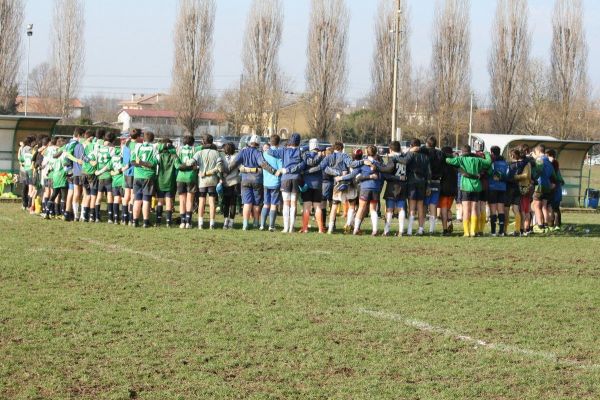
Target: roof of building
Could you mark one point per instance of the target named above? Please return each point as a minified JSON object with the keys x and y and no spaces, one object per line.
{"x":207,"y":116}
{"x":145,"y":100}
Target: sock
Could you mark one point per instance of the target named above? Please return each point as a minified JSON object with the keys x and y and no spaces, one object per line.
{"x":351,"y":214}
{"x":459,"y":215}
{"x":493,"y":220}
{"x":332,"y":223}
{"x":159,"y":214}
{"x":286,"y":218}
{"x":245,"y":225}
{"x":97,"y":212}
{"x":146,"y":222}
{"x":263,"y":216}
{"x":44,"y":204}
{"x":125,"y":213}
{"x":86,"y":213}
{"x":292,"y":218}
{"x":502,"y":222}
{"x":63,"y":209}
{"x":305,"y":220}
{"x":115,"y":212}
{"x":76,"y":209}
{"x":211,"y":223}
{"x":388,"y":222}
{"x":50,"y":207}
{"x":200,"y":222}
{"x":136,"y":222}
{"x":82,"y":212}
{"x":518,"y":222}
{"x":466,"y":227}
{"x":357,"y":223}
{"x":401,"y":219}
{"x":374,"y":220}
{"x":272,"y":217}
{"x":432,"y":219}
{"x":474,"y":224}
{"x":411,"y":221}
{"x":109,"y":211}
{"x":169,"y":216}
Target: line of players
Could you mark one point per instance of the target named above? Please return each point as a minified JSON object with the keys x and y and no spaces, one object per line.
{"x":72,"y":178}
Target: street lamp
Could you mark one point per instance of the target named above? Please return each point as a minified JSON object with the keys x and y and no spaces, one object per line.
{"x":395,"y":79}
{"x":29,"y":35}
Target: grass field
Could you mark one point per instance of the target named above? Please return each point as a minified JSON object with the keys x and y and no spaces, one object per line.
{"x":109,"y":312}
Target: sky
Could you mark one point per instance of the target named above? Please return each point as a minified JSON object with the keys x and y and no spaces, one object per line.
{"x":129,"y":43}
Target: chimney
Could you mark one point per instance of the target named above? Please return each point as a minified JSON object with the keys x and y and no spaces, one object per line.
{"x":133,"y":97}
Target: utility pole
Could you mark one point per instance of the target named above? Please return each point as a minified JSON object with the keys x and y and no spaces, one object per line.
{"x":29,"y":35}
{"x":395,"y":88}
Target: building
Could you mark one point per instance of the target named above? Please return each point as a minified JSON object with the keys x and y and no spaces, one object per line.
{"x":39,"y":106}
{"x":164,"y":122}
{"x":293,"y":118}
{"x":154,"y":101}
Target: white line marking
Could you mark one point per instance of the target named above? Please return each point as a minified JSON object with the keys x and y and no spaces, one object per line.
{"x":425,"y":327}
{"x":6,"y":219}
{"x":123,"y":249}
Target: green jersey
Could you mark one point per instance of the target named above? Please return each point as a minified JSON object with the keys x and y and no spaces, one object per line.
{"x":26,"y":158}
{"x":104,"y":155}
{"x":146,"y":152}
{"x":470,"y":167}
{"x":89,"y":157}
{"x":167,"y":170}
{"x":117,"y":168}
{"x":59,"y":172}
{"x":186,"y":157}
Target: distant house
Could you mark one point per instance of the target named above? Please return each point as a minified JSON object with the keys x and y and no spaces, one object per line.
{"x":154,"y":101}
{"x":164,"y":122}
{"x":293,"y":118}
{"x":39,"y":106}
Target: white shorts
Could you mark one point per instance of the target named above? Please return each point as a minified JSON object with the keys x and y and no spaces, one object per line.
{"x":347,"y":195}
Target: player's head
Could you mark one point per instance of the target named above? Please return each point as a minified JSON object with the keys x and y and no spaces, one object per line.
{"x":148,"y":137}
{"x":431,"y":142}
{"x":357,"y":154}
{"x":447,"y":150}
{"x":254,"y":141}
{"x":515,"y":154}
{"x":78,"y":132}
{"x":135,"y":134}
{"x":188,"y":140}
{"x":207,"y":140}
{"x":275,"y":140}
{"x":551,"y":153}
{"x":100,"y":133}
{"x":266,"y":147}
{"x":466,"y":149}
{"x":371,"y":151}
{"x":415,"y":143}
{"x":229,"y":148}
{"x":313,"y":144}
{"x":110,"y":137}
{"x":88,"y":134}
{"x":395,"y":146}
{"x":540,"y":149}
{"x":295,"y":140}
{"x":495,"y":150}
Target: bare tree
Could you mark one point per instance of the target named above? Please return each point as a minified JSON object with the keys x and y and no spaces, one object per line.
{"x":450,"y":65}
{"x":538,"y":105}
{"x":68,"y":50}
{"x":42,"y":85}
{"x":192,"y":67}
{"x":261,"y":61}
{"x":508,"y":64}
{"x":569,"y":61}
{"x":326,"y":71}
{"x":11,"y":23}
{"x":102,"y":108}
{"x":234,"y":103}
{"x":382,"y":67}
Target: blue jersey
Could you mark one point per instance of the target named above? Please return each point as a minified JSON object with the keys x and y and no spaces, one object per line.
{"x":313,"y":180}
{"x":126,"y":154}
{"x":271,"y":181}
{"x":499,"y":173}
{"x":250,"y":157}
{"x":335,"y":164}
{"x":291,"y":158}
{"x":373,"y":185}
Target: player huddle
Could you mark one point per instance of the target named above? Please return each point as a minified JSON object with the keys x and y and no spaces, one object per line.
{"x":142,"y":181}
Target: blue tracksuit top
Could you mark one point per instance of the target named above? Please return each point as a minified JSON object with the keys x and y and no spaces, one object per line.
{"x":314,"y":180}
{"x":126,"y":154}
{"x":249,"y":157}
{"x":501,"y":167}
{"x":335,"y":165}
{"x":291,"y":158}
{"x":373,"y":185}
{"x":271,"y":181}
{"x":543,"y":179}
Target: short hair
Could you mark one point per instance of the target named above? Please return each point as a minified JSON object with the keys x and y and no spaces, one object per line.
{"x":338,"y":146}
{"x":53,"y":140}
{"x":415,"y":143}
{"x":100,"y":133}
{"x":45,"y":140}
{"x":110,"y":136}
{"x":551,"y":153}
{"x":188,"y":140}
{"x":447,"y":150}
{"x":540,"y":148}
{"x":136,"y":133}
{"x":466,"y":149}
{"x":266,"y":146}
{"x":431,"y":141}
{"x":207,"y":139}
{"x":229,"y":148}
{"x":395,"y":146}
{"x":515,"y":154}
{"x":495,"y":150}
{"x":371,"y":151}
{"x":149,"y":136}
{"x":275,"y":140}
{"x":88,"y":134}
{"x":78,"y":132}
{"x":525,"y":149}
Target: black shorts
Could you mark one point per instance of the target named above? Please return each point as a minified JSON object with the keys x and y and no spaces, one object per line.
{"x":143,"y":189}
{"x":105,"y":185}
{"x":118,"y":191}
{"x":90,"y":185}
{"x":289,"y":186}
{"x":417,"y":191}
{"x":187,"y":187}
{"x":77,"y":180}
{"x":496,"y":197}
{"x":484,"y":195}
{"x":469,"y":196}
{"x":543,"y":196}
{"x":312,"y":196}
{"x":513,"y":197}
{"x":369,"y":195}
{"x":128,"y":182}
{"x":165,"y":194}
{"x":209,"y":191}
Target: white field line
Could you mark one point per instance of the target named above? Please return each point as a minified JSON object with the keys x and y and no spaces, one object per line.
{"x":6,"y":219}
{"x":123,"y":249}
{"x":505,"y":348}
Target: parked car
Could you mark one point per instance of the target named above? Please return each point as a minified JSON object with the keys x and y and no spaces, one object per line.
{"x":244,"y":141}
{"x":221,"y":140}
